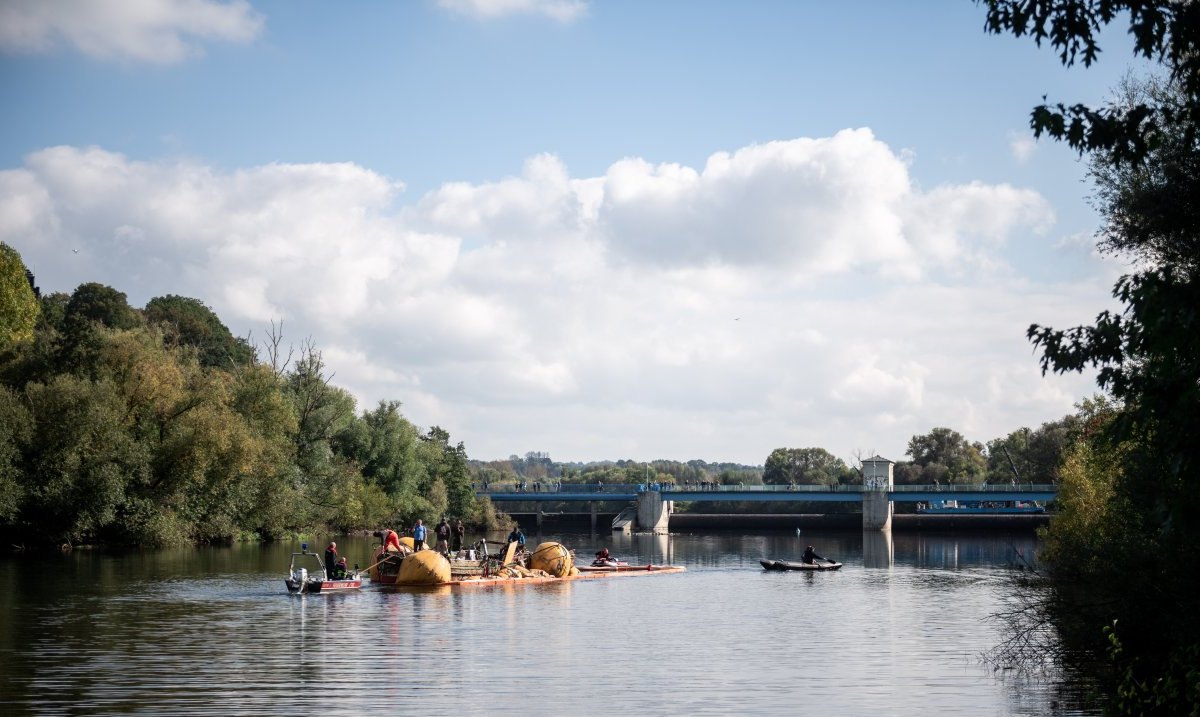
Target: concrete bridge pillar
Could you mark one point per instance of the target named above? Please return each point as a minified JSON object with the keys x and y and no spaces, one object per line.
{"x":877,"y":481}
{"x":592,"y":507}
{"x":539,"y":517}
{"x":653,"y":513}
{"x":877,"y":511}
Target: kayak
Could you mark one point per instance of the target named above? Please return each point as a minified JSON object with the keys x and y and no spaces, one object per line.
{"x":786,"y":565}
{"x":622,"y":568}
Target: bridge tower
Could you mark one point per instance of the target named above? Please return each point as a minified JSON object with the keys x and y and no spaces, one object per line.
{"x":877,"y":481}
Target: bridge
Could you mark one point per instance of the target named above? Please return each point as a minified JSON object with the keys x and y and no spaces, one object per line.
{"x":655,"y":501}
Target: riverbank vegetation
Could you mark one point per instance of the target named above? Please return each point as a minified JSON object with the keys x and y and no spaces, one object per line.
{"x":1124,"y":551}
{"x":157,"y":426}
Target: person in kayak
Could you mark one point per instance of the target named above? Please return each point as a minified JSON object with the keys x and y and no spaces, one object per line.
{"x":810,"y":556}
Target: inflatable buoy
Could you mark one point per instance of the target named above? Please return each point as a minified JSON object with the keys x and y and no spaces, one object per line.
{"x":407,"y":542}
{"x":554,"y":558}
{"x":427,"y":567}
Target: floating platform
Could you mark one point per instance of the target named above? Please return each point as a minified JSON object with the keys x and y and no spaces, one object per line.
{"x":585,"y":573}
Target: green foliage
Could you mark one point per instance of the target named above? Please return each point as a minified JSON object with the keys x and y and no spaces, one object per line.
{"x":1166,"y":31}
{"x":53,"y":313}
{"x":946,"y":456}
{"x":384,"y":445}
{"x":1129,"y":521}
{"x":1035,"y":456}
{"x":19,"y":306}
{"x":169,"y":432}
{"x":189,"y":322}
{"x":805,"y":466}
{"x":16,"y":430}
{"x":1161,"y":684}
{"x":100,"y":304}
{"x":80,"y":465}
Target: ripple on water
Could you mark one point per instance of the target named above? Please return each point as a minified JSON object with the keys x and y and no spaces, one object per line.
{"x":725,"y":637}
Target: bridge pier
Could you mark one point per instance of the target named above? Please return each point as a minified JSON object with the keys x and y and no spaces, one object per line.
{"x":592,"y":507}
{"x":653,"y":513}
{"x":877,"y":504}
{"x":539,"y":518}
{"x":877,"y":511}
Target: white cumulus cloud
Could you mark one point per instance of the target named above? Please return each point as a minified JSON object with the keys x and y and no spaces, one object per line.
{"x":560,"y":10}
{"x":156,"y":31}
{"x":804,"y":292}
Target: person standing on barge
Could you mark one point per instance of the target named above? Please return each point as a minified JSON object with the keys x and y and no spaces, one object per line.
{"x":419,"y":531}
{"x":460,"y":532}
{"x":442,"y":531}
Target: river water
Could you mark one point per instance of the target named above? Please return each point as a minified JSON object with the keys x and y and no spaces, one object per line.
{"x":897,"y":631}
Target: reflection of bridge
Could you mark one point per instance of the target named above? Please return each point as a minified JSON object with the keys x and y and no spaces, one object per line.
{"x":654,"y":501}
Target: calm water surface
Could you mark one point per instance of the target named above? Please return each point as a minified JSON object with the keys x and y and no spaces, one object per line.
{"x":897,"y":631}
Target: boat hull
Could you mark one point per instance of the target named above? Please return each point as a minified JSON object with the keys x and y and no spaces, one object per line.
{"x":788,"y":565}
{"x":620,"y":568}
{"x":322,"y":586}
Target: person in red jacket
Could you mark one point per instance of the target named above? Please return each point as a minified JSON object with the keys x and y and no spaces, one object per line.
{"x":391,"y":541}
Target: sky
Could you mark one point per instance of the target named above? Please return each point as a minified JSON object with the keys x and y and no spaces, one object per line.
{"x":598,"y":229}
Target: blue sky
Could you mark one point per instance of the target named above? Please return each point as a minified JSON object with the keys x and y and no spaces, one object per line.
{"x":597,"y":229}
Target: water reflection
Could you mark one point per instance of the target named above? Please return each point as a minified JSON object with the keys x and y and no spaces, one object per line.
{"x":212,"y":631}
{"x":877,"y":549}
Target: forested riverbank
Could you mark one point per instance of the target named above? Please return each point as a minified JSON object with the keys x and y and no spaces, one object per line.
{"x":156,"y":426}
{"x":1124,"y":566}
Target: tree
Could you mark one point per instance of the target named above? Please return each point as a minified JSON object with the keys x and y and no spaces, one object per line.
{"x":16,"y":430}
{"x":803,"y":466}
{"x":191,"y":323}
{"x":18,"y":304}
{"x":1166,"y":31}
{"x":1144,"y":151}
{"x":946,"y":455}
{"x":384,"y":445}
{"x":1036,"y":456}
{"x":82,"y":461}
{"x":100,"y":304}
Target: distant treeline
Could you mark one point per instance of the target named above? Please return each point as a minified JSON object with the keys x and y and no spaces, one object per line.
{"x":941,"y":456}
{"x":156,"y":426}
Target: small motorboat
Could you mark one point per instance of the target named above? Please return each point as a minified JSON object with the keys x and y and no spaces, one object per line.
{"x":788,"y":565}
{"x":305,"y":579}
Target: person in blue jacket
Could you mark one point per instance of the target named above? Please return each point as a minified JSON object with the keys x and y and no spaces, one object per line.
{"x":517,"y":536}
{"x":419,"y":531}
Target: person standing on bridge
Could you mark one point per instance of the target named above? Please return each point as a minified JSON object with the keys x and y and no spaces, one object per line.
{"x":419,"y":531}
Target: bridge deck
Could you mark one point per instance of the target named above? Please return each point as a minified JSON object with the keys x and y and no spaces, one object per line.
{"x":777,"y":493}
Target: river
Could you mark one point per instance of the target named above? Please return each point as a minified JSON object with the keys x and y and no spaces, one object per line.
{"x":897,"y":631}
